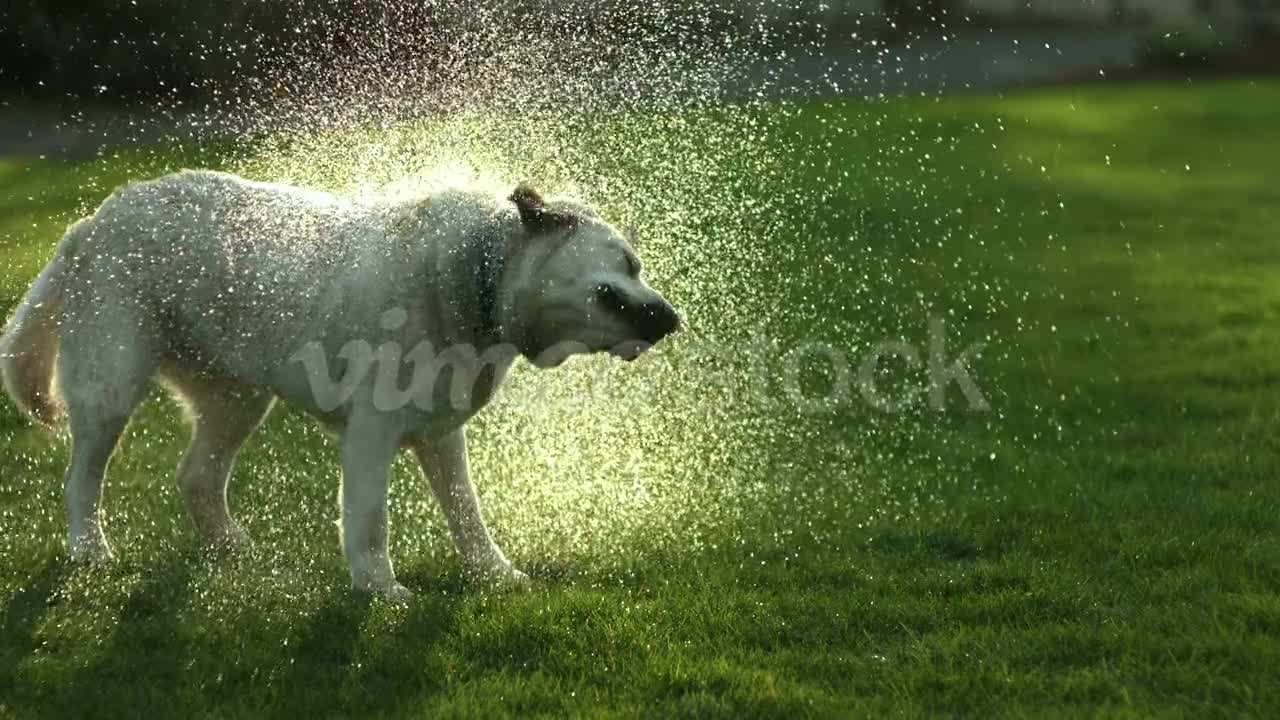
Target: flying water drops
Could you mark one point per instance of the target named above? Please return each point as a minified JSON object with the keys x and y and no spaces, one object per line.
{"x":782,"y":196}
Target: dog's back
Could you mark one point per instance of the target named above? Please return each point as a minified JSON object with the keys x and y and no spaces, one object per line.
{"x":223,"y":268}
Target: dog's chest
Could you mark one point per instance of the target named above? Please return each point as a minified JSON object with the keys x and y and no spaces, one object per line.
{"x":447,"y":394}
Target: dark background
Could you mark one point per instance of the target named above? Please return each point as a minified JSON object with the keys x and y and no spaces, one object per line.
{"x":144,"y":50}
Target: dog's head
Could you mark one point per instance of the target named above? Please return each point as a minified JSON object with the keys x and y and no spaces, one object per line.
{"x":574,"y":286}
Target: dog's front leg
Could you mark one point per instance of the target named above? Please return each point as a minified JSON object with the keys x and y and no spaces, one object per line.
{"x":370,"y":443}
{"x":444,"y":462}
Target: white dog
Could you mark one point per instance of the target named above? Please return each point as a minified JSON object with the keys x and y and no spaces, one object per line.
{"x":236,"y":292}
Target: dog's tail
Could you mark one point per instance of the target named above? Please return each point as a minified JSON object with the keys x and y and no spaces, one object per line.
{"x":29,"y":345}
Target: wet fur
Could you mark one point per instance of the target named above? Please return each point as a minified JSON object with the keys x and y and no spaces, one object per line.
{"x":212,"y":283}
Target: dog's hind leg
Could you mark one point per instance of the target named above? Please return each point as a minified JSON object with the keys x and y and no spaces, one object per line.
{"x":104,"y":370}
{"x":224,"y":414}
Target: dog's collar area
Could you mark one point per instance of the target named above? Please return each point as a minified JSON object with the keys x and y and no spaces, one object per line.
{"x":488,"y":277}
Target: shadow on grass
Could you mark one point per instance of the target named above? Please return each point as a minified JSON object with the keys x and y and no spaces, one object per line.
{"x":150,"y":647}
{"x":363,"y":656}
{"x":22,"y":614}
{"x":167,"y":655}
{"x":320,"y":667}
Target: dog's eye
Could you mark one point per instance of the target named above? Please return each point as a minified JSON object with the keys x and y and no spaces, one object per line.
{"x":608,"y":295}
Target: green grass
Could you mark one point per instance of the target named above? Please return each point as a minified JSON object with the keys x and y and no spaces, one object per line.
{"x":1105,"y":541}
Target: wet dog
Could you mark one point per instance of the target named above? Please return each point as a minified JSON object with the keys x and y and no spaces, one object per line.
{"x":392,"y":322}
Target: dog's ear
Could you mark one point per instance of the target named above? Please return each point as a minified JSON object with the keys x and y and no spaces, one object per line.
{"x":535,"y":215}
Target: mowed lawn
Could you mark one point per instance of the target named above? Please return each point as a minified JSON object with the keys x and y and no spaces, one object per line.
{"x":1104,"y":540}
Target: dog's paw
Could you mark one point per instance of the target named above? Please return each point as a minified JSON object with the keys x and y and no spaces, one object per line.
{"x":396,"y":593}
{"x":390,"y":591}
{"x":503,"y":577}
{"x":232,"y":539}
{"x":516,"y":580}
{"x":91,"y":550}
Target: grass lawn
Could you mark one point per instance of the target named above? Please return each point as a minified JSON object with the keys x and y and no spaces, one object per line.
{"x":1104,"y":539}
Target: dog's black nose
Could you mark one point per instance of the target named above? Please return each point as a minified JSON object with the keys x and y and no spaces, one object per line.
{"x":655,"y":320}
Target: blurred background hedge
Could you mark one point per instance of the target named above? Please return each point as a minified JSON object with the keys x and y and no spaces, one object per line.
{"x":144,"y":49}
{"x":140,"y":50}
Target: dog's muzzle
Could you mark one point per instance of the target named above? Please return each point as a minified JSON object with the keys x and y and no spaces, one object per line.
{"x":654,"y":320}
{"x":650,"y":320}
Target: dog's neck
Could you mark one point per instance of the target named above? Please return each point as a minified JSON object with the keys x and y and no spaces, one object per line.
{"x":489,"y":267}
{"x":486,"y":256}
